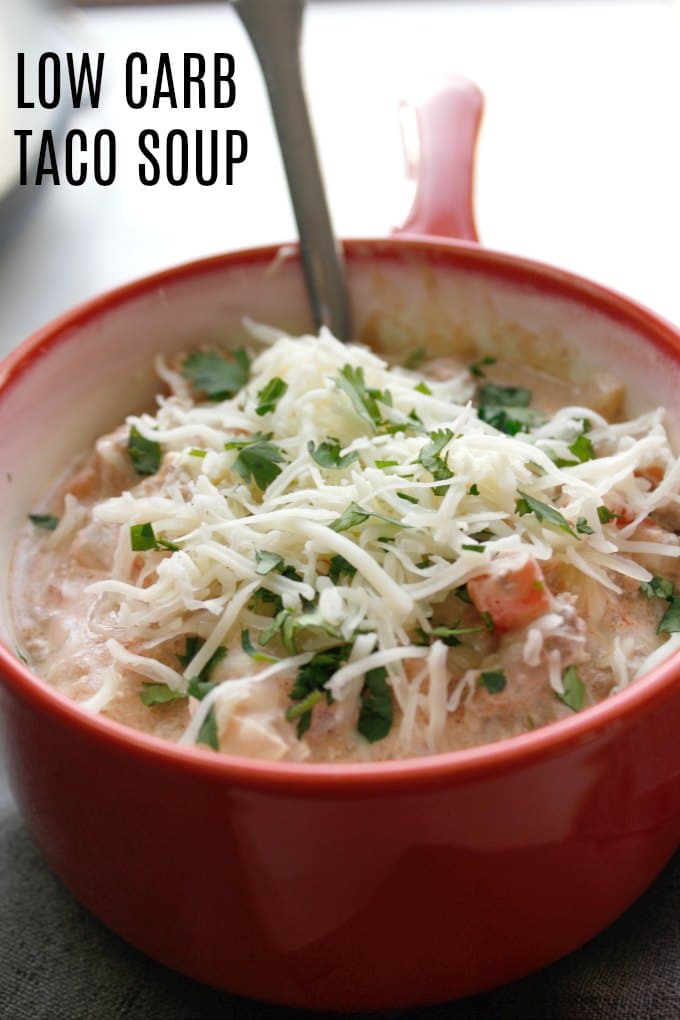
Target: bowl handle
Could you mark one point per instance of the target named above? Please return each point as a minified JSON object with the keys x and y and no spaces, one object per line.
{"x":445,"y":126}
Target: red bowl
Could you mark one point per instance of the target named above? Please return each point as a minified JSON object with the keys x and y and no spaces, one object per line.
{"x":338,"y":886}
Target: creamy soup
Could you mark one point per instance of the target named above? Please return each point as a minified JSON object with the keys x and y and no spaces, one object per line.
{"x":308,"y":554}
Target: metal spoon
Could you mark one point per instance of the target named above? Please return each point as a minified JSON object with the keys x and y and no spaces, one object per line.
{"x":275,"y":30}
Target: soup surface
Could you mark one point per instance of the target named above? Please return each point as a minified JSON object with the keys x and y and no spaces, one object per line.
{"x":308,"y":554}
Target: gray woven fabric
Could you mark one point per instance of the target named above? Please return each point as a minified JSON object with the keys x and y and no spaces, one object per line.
{"x":58,"y":963}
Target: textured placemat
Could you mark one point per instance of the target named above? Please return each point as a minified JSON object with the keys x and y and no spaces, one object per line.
{"x":58,"y":963}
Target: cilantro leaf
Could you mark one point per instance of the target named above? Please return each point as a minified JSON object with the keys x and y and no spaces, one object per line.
{"x":382,"y":464}
{"x":352,"y":382}
{"x":269,"y":396}
{"x":142,"y":539}
{"x":217,"y":378}
{"x":574,"y":689}
{"x":670,"y":622}
{"x":658,"y":587}
{"x":258,"y":458}
{"x":263,"y":597}
{"x":506,"y":408}
{"x":431,"y":460}
{"x":503,"y":396}
{"x":583,"y":527}
{"x":355,"y":514}
{"x":327,"y":454}
{"x":463,"y":594}
{"x":494,"y":680}
{"x":145,"y":454}
{"x":199,"y":688}
{"x":192,"y":647}
{"x":339,"y":567}
{"x":473,"y":490}
{"x":47,"y":522}
{"x":606,"y":515}
{"x":267,"y":561}
{"x":310,"y":684}
{"x":543,"y":512}
{"x":159,"y":694}
{"x":208,"y":733}
{"x":582,"y":448}
{"x":423,"y":388}
{"x":450,"y":635}
{"x":415,"y":358}
{"x":249,"y":649}
{"x":377,"y":711}
{"x":477,"y":367}
{"x":303,"y":712}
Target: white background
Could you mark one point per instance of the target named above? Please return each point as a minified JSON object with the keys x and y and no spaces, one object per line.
{"x":578,"y":163}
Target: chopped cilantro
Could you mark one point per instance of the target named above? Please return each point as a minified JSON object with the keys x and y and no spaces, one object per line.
{"x":199,"y":688}
{"x":463,"y":594}
{"x":477,"y":367}
{"x":262,"y":597}
{"x":249,"y":649}
{"x":431,"y":460}
{"x":197,"y":453}
{"x":474,"y":548}
{"x":355,"y":514}
{"x":409,"y":499}
{"x":582,"y":448}
{"x":377,"y":711}
{"x":217,"y":378}
{"x":382,"y":464}
{"x":258,"y":458}
{"x":312,"y":679}
{"x":658,"y":587}
{"x":423,"y":388}
{"x":145,"y":454}
{"x":267,"y":561}
{"x":544,"y":513}
{"x":506,"y":408}
{"x":606,"y":515}
{"x":339,"y":567}
{"x":574,"y":689}
{"x":192,"y":647}
{"x":269,"y":396}
{"x":450,"y":635}
{"x":424,"y":564}
{"x":494,"y":680}
{"x":303,"y":712}
{"x":208,"y":733}
{"x":281,"y":623}
{"x":142,"y":538}
{"x":291,"y":573}
{"x":159,"y":694}
{"x":415,"y":358}
{"x":583,"y":527}
{"x":670,"y":622}
{"x":327,"y":454}
{"x":364,"y":401}
{"x":47,"y":522}
{"x":503,"y":396}
{"x":488,"y":620}
{"x":473,"y":490}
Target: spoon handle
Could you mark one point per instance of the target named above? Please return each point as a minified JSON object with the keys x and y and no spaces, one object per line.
{"x":275,"y":30}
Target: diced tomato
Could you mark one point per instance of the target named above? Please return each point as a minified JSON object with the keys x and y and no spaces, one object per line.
{"x":513,"y":594}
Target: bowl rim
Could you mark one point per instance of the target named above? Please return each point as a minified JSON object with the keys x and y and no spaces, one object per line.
{"x":338,"y":778}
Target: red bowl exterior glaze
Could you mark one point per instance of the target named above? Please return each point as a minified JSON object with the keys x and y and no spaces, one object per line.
{"x":333,"y":887}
